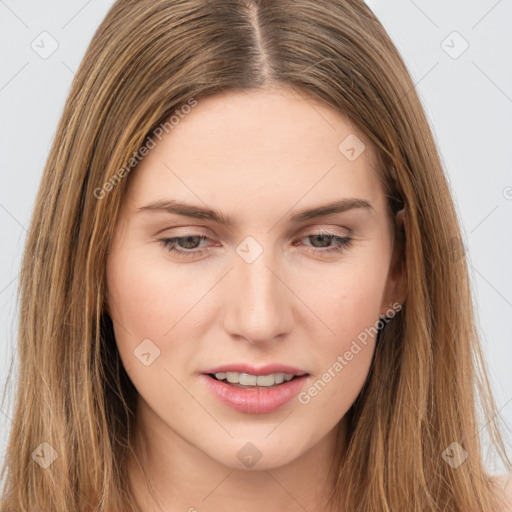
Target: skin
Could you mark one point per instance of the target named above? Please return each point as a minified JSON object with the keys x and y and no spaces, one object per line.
{"x":260,"y":157}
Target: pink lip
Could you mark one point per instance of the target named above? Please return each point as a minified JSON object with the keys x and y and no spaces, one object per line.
{"x":252,"y":400}
{"x":262,"y":370}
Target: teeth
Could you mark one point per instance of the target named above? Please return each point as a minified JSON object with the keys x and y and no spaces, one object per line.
{"x":246,"y":379}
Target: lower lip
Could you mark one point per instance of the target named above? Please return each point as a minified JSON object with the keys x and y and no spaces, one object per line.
{"x":255,"y":401}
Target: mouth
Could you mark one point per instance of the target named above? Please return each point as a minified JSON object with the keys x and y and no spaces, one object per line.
{"x":255,"y":394}
{"x":248,"y":381}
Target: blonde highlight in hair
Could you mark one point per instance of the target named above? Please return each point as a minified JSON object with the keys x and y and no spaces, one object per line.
{"x":145,"y":61}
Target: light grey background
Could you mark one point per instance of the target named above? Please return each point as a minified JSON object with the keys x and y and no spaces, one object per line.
{"x":467,"y":96}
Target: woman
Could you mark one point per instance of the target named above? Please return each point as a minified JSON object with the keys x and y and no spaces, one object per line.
{"x":255,"y":293}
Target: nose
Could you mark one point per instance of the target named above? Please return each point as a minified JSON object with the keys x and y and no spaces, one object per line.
{"x":259,"y":302}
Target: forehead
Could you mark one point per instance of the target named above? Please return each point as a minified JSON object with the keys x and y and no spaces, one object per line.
{"x":261,"y":149}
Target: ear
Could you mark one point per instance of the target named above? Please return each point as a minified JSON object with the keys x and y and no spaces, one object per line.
{"x":396,"y":286}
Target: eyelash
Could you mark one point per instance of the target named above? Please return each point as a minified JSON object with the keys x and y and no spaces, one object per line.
{"x":342,"y":243}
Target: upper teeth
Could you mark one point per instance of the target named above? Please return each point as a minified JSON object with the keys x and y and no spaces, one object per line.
{"x":254,"y":380}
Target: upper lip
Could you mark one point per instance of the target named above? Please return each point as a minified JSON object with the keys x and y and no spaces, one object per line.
{"x":260,"y":370}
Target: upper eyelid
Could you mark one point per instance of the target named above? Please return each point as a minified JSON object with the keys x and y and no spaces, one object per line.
{"x":301,"y":234}
{"x":309,"y":229}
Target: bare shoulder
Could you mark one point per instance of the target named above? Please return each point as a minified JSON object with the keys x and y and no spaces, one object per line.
{"x":504,"y":482}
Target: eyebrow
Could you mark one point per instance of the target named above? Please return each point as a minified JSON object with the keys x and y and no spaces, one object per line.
{"x":198,"y":212}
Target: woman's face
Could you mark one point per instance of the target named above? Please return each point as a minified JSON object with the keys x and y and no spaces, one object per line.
{"x":274,"y":287}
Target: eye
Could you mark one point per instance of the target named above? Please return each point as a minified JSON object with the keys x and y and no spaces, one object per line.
{"x":338,"y":243}
{"x":188,"y":244}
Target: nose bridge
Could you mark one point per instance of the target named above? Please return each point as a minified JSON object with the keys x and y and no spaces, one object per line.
{"x":258,"y":301}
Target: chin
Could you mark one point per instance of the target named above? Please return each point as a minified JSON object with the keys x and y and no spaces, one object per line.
{"x":254,"y":456}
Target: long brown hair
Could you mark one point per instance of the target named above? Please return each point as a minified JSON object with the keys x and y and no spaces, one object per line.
{"x":147,"y":61}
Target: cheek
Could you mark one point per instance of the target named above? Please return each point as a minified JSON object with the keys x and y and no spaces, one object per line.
{"x":345,"y":358}
{"x":150,"y":308}
{"x":349,"y":304}
{"x":146,"y":302}
{"x":347,"y":299}
{"x":146,"y":297}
